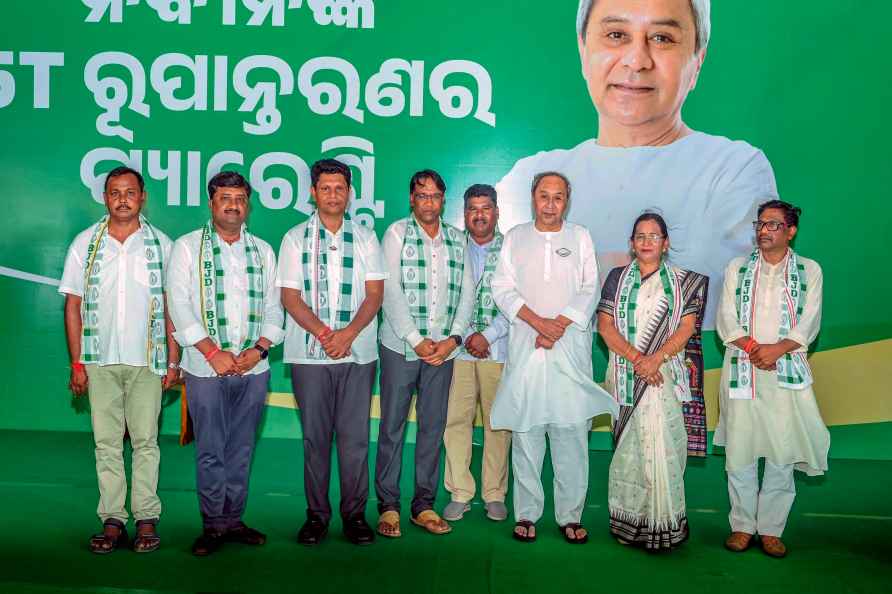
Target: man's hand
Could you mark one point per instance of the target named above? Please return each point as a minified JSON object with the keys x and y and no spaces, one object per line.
{"x":544,"y":343}
{"x":550,"y":328}
{"x":766,"y":355}
{"x":425,"y":348}
{"x":477,"y":345}
{"x":171,"y":378}
{"x":338,"y":342}
{"x":648,"y":365}
{"x":442,"y":349}
{"x":77,"y":383}
{"x":246,"y":360}
{"x":224,"y":363}
{"x":654,"y":380}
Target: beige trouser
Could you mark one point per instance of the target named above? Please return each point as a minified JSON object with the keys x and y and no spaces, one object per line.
{"x":473,"y":382}
{"x":126,"y":397}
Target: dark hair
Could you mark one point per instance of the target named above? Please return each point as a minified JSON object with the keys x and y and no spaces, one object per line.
{"x":228,"y":179}
{"x":424,"y":174}
{"x":537,"y":179}
{"x":478,"y":190}
{"x":791,"y":213}
{"x":124,"y":170}
{"x":331,"y":167}
{"x":651,"y":216}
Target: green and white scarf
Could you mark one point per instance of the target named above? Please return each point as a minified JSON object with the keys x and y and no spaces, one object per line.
{"x":626,"y":302}
{"x":318,"y":241}
{"x":156,"y":343}
{"x":793,"y":371}
{"x":413,"y":276}
{"x":485,"y":306}
{"x":213,"y":298}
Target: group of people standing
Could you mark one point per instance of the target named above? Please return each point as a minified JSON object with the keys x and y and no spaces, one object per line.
{"x":468,"y":317}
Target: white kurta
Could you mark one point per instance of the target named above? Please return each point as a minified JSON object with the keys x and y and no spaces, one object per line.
{"x":781,"y":425}
{"x":552,"y":274}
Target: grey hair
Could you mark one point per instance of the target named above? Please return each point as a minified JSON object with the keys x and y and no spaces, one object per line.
{"x":700,"y":8}
{"x":537,"y":179}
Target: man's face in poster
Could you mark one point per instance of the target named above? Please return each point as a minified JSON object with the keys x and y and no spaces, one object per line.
{"x":639,"y":59}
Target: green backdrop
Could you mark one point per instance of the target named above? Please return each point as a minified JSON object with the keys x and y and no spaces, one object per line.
{"x":801,"y":80}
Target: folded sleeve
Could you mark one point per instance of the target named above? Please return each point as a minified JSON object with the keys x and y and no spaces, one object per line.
{"x":290,"y":272}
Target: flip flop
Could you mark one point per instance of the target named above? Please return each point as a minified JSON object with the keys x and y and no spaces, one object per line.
{"x":524,"y":537}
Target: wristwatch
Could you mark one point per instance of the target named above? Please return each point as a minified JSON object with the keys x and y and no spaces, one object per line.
{"x":173,"y":365}
{"x":264,"y":353}
{"x":457,"y":339}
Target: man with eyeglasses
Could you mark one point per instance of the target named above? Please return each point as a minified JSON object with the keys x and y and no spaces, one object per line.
{"x":769,"y":314}
{"x":428,"y":300}
{"x":225,"y":306}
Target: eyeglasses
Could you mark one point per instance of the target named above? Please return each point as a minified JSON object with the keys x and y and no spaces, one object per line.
{"x":650,"y":237}
{"x":770,"y":225}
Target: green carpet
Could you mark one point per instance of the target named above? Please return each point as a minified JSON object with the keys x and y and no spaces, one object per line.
{"x":838,"y":536}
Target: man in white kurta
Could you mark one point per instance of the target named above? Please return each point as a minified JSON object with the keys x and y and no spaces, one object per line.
{"x":760,"y":417}
{"x":546,"y":285}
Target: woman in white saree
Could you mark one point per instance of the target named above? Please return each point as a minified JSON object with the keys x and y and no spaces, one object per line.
{"x":650,"y":315}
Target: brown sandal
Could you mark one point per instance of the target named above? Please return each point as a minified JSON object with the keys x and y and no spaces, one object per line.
{"x":738,"y":542}
{"x":147,"y":539}
{"x":389,"y":524}
{"x":113,"y":535}
{"x":432,"y":522}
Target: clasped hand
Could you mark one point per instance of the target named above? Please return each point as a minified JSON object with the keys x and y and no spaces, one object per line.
{"x":226,"y":363}
{"x":765,"y":356}
{"x":435,"y":353}
{"x":550,"y":331}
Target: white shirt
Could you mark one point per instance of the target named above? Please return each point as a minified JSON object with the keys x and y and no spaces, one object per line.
{"x":706,"y":187}
{"x":123,"y":293}
{"x":185,"y":305}
{"x":368,"y":265}
{"x":497,"y":331}
{"x":399,"y":328}
{"x":552,"y":274}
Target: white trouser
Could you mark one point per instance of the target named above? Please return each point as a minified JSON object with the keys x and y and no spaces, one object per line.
{"x":569,"y":459}
{"x":761,"y":511}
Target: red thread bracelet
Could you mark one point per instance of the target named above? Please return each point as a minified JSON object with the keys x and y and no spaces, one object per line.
{"x":209,"y":355}
{"x":77,"y":366}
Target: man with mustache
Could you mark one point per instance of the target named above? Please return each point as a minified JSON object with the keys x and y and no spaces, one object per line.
{"x":640,"y":60}
{"x":332,"y":279}
{"x":477,"y":371}
{"x":546,"y":284}
{"x":770,"y":312}
{"x":122,"y":354}
{"x":428,"y":299}
{"x":225,"y":306}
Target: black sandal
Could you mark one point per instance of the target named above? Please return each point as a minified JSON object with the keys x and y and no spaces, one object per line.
{"x":103,"y":543}
{"x":148,"y":541}
{"x":524,"y":537}
{"x":574,"y":526}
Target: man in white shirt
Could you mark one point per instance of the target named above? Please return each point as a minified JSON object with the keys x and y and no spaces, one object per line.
{"x":546,"y":285}
{"x":428,"y":299}
{"x":640,"y":60}
{"x":770,"y":312}
{"x":225,"y":307}
{"x":331,"y":274}
{"x":477,"y":371}
{"x":115,"y":323}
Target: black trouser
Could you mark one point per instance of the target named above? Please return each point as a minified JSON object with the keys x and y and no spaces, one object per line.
{"x":335,"y":399}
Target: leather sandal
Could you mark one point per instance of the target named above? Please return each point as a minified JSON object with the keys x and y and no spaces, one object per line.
{"x":432,"y":522}
{"x":108,"y":540}
{"x":389,"y":524}
{"x":526,"y":525}
{"x":773,"y":546}
{"x":574,"y":527}
{"x":147,"y":539}
{"x":738,"y":542}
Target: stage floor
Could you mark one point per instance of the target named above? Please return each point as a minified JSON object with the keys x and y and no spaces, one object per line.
{"x":838,"y":536}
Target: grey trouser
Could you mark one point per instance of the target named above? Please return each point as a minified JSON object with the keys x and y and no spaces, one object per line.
{"x":400,"y":379}
{"x":226,"y":412}
{"x":335,"y":398}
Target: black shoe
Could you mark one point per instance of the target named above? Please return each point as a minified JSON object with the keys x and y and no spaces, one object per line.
{"x":358,"y":531}
{"x":209,"y":542}
{"x":245,"y":535}
{"x":312,"y":532}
